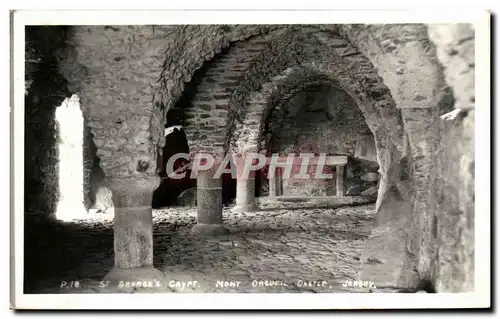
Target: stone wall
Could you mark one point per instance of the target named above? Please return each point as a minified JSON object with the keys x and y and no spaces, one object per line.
{"x":141,"y":72}
{"x":89,"y":156}
{"x":321,"y":119}
{"x":41,"y":156}
{"x":46,"y":89}
{"x":98,"y":195}
{"x":452,"y":227}
{"x":310,"y":187}
{"x":406,"y":212}
{"x":325,"y":120}
{"x":450,"y":232}
{"x":439,"y":172}
{"x":361,"y":178}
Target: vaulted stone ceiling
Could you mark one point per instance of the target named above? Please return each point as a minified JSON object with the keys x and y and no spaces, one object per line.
{"x":161,"y":59}
{"x":400,"y":76}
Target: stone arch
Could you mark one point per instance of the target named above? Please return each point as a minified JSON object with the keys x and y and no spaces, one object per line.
{"x":316,"y":73}
{"x":325,"y":34}
{"x":187,"y":47}
{"x":342,"y":62}
{"x":205,"y":116}
{"x":103,"y":57}
{"x":193,"y":46}
{"x":275,"y":93}
{"x":378,"y":42}
{"x":372,"y":89}
{"x":420,"y":91}
{"x":248,"y":134}
{"x":226,"y":65}
{"x":420,"y":101}
{"x":292,"y":80}
{"x":251,"y":134}
{"x":286,"y":123}
{"x":126,"y":109}
{"x":294,"y":41}
{"x":405,"y":58}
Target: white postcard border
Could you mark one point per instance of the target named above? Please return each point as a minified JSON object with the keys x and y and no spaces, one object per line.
{"x":263,"y":301}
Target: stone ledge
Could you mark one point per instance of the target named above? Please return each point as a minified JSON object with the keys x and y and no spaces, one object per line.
{"x":286,"y":202}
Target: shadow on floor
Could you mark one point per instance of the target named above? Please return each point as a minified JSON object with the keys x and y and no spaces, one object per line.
{"x":53,"y":249}
{"x":258,"y":243}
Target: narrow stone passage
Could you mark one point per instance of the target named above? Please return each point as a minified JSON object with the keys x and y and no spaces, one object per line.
{"x":302,"y":250}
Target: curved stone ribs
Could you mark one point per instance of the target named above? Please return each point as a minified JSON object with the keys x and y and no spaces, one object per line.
{"x":404,"y":58}
{"x":455,"y":46}
{"x":220,"y":90}
{"x":192,"y":46}
{"x":287,"y":50}
{"x":121,"y":72}
{"x":354,"y":74}
{"x":284,"y":86}
{"x":107,"y":57}
{"x":407,"y":62}
{"x":250,"y":133}
{"x":340,"y":62}
{"x":205,"y":121}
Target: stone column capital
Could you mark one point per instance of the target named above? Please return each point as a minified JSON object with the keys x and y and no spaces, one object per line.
{"x":132,"y":191}
{"x":146,"y":182}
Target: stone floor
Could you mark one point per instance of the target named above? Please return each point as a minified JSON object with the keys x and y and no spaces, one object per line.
{"x":301,"y":250}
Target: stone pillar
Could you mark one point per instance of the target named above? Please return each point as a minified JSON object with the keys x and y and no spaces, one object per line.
{"x":133,"y":228}
{"x":276,"y":184}
{"x":89,"y":156}
{"x":209,"y":204}
{"x":340,"y":180}
{"x":245,"y":193}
